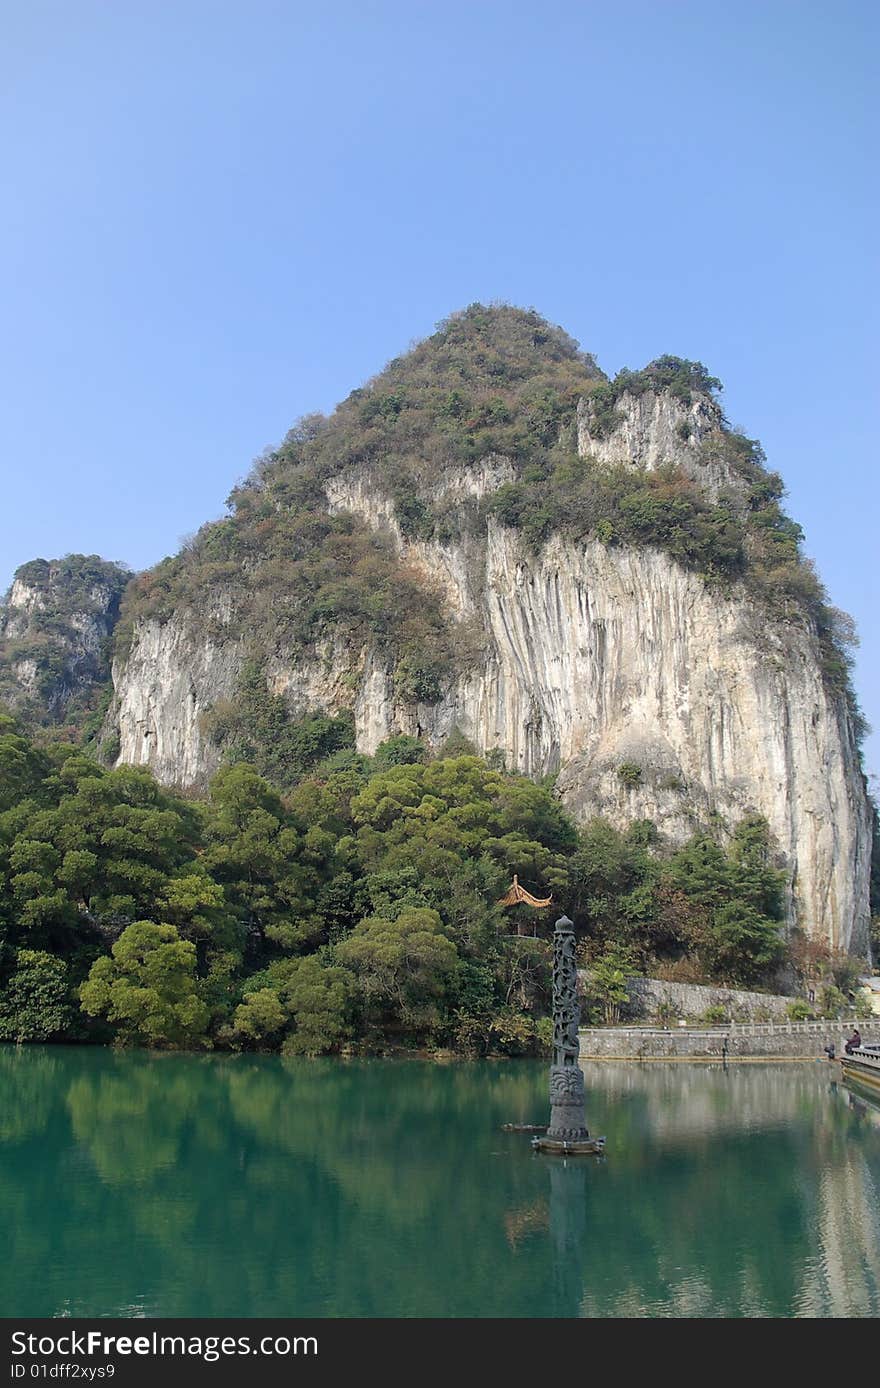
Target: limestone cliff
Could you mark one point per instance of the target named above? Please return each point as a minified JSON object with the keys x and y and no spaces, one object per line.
{"x":55,"y":628}
{"x":653,"y":691}
{"x":654,"y":430}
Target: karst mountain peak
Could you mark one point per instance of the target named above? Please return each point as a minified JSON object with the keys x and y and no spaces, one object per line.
{"x":492,"y":541}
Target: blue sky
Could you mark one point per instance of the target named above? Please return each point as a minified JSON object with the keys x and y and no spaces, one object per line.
{"x":219,"y":216}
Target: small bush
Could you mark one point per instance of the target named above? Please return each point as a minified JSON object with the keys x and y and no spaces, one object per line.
{"x":715,"y":1014}
{"x":518,"y":1034}
{"x":671,"y":782}
{"x":630,"y":773}
{"x":800,"y":1011}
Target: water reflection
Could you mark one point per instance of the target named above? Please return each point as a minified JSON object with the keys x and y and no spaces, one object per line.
{"x":207,"y":1185}
{"x":569,"y":1198}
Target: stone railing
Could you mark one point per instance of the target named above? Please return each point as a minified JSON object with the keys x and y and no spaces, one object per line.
{"x":868,"y":1029}
{"x":758,"y":1040}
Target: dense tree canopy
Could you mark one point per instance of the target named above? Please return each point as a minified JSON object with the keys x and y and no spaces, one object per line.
{"x":359,"y":908}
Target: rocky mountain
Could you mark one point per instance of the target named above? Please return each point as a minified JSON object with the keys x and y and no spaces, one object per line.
{"x":491,"y":541}
{"x":56,"y":625}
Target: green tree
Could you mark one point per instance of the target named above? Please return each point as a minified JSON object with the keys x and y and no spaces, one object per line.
{"x":832,"y":1002}
{"x":35,"y":999}
{"x":271,"y":863}
{"x":607,"y":983}
{"x":740,"y":944}
{"x":22,"y":767}
{"x":304,"y":1003}
{"x":259,"y":727}
{"x":147,"y":989}
{"x":519,"y":1034}
{"x":612,"y":879}
{"x":800,"y":1011}
{"x":260,"y":1018}
{"x":736,"y":930}
{"x":461,"y":830}
{"x":319,"y":999}
{"x":398,"y":751}
{"x":97,"y":855}
{"x":196,"y":904}
{"x":405,"y":970}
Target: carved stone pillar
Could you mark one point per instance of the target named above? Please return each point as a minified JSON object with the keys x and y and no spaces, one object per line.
{"x":567,"y":1134}
{"x":567,"y":1119}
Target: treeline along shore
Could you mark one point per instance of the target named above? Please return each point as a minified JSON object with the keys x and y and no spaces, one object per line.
{"x":357,"y":911}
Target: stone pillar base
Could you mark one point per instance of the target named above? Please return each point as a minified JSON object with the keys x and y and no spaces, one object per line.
{"x":567,"y":1117}
{"x":589,"y":1146}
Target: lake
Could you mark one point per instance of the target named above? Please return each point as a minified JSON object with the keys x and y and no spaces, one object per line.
{"x":139,"y":1184}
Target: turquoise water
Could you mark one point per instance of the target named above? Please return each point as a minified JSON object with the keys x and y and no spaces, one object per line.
{"x":165,"y":1185}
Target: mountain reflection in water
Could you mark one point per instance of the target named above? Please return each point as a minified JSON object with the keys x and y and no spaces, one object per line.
{"x":176,"y":1185}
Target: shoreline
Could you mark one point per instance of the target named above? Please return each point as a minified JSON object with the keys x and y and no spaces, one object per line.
{"x":439,"y":1057}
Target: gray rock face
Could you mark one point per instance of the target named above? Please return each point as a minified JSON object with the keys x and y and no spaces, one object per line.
{"x":656,"y":429}
{"x":55,"y":626}
{"x":650,"y":695}
{"x":172,"y":676}
{"x":23,"y":602}
{"x":26,"y":603}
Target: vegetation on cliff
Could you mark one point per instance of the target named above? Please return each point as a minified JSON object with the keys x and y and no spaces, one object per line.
{"x":491,"y":382}
{"x":55,"y":651}
{"x":260,"y":727}
{"x":360,"y":909}
{"x":682,"y":379}
{"x":283,"y":574}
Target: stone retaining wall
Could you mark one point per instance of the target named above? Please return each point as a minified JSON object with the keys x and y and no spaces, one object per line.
{"x":692,"y":1000}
